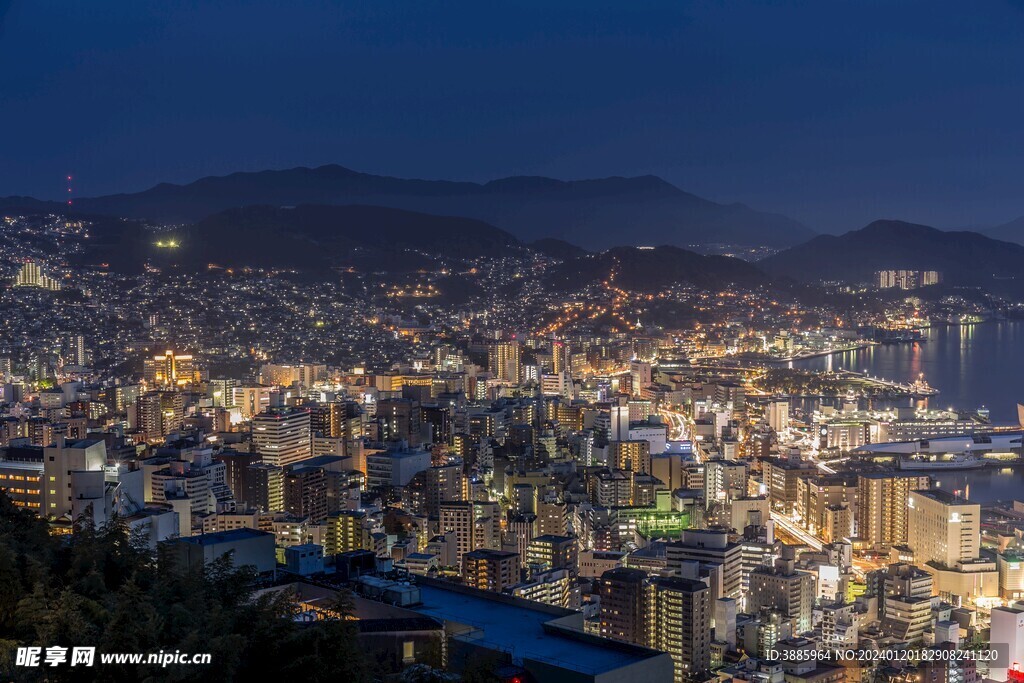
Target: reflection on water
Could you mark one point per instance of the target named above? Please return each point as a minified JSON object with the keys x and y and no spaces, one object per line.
{"x":984,"y":486}
{"x":972,"y":366}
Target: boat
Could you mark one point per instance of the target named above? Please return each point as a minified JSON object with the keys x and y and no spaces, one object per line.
{"x":961,"y":461}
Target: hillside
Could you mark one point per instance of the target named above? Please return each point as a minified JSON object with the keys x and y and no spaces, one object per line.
{"x":315,"y":238}
{"x":594,"y":214}
{"x":653,"y":270}
{"x":964,"y":258}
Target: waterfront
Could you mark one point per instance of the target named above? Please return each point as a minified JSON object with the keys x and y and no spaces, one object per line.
{"x":972,"y":366}
{"x":984,"y":485}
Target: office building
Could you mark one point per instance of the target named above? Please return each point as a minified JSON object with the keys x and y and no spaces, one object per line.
{"x":943,"y":528}
{"x":282,"y":436}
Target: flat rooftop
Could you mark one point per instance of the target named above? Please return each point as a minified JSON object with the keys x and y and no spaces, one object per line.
{"x":943,"y":496}
{"x":518,"y":629}
{"x":230,"y":536}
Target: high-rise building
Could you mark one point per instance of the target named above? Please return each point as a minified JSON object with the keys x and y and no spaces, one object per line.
{"x":623,"y":613}
{"x":882,"y":506}
{"x":305,"y":491}
{"x":634,"y":456}
{"x":345,"y":531}
{"x":159,"y":413}
{"x":682,"y":624}
{"x":904,"y":600}
{"x":400,"y":420}
{"x":65,"y":466}
{"x":783,"y":588}
{"x":778,"y":415}
{"x":665,"y":613}
{"x":942,"y":527}
{"x":504,"y":361}
{"x":710,"y":548}
{"x":724,"y":480}
{"x":32,"y":275}
{"x":429,"y":488}
{"x":282,"y":435}
{"x":906,"y":279}
{"x":476,"y":524}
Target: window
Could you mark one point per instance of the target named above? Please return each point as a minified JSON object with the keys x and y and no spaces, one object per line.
{"x":408,"y":652}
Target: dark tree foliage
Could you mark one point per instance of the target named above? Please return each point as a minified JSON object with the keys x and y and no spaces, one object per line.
{"x":104,"y":588}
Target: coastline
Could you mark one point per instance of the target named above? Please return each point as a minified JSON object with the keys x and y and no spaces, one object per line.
{"x":823,"y":354}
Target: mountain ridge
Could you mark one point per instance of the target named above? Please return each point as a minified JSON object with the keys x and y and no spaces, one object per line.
{"x":596,"y":213}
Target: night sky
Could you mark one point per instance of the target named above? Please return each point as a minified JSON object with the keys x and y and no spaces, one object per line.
{"x":834,"y":113}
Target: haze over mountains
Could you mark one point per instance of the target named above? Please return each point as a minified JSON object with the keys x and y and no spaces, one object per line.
{"x":1013,"y":231}
{"x":329,"y":217}
{"x":596,"y":214}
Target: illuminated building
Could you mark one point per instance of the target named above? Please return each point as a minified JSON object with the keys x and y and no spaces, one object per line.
{"x":783,"y":588}
{"x":711,"y":548}
{"x":69,"y":469}
{"x":882,"y":506}
{"x":303,"y":375}
{"x":633,"y":456}
{"x":476,"y":525}
{"x":170,"y":370}
{"x":778,"y":415}
{"x":907,"y":279}
{"x":159,"y":413}
{"x":504,"y":361}
{"x":491,"y":570}
{"x":32,"y":275}
{"x":724,"y":480}
{"x":558,"y":588}
{"x":399,"y":420}
{"x":345,"y":531}
{"x":782,"y":476}
{"x":305,"y":491}
{"x":1011,"y":575}
{"x":548,"y":552}
{"x":1007,"y":627}
{"x":22,"y":481}
{"x":664,"y":613}
{"x":282,"y":436}
{"x":942,"y":527}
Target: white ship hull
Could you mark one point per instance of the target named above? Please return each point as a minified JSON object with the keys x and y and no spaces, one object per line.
{"x":941,"y":465}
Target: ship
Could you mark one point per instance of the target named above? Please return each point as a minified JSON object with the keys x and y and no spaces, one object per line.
{"x":961,"y":461}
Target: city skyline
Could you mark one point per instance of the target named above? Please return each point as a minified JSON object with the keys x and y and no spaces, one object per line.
{"x":578,"y":416}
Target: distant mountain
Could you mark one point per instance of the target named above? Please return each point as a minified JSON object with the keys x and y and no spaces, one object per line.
{"x":964,"y":258}
{"x":1010,"y":232}
{"x":655,"y":269}
{"x":594,"y":213}
{"x":559,"y":249}
{"x":315,"y":238}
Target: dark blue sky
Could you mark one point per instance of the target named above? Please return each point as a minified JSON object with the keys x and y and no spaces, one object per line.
{"x":833,"y":112}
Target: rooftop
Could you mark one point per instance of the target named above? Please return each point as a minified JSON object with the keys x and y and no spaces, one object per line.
{"x":231,"y":536}
{"x":943,"y":496}
{"x":518,"y":628}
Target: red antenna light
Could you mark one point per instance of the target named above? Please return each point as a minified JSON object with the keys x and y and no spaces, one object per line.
{"x":69,"y":190}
